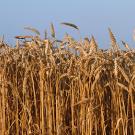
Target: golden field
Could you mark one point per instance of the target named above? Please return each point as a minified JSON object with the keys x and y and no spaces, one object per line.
{"x":67,"y":87}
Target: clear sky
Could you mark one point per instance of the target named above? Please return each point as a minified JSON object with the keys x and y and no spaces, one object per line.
{"x":91,"y":16}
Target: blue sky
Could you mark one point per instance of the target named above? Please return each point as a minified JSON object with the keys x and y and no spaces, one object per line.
{"x":91,"y":16}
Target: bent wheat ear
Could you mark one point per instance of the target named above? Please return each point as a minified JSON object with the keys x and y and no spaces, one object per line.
{"x":33,"y":30}
{"x":70,"y":25}
{"x":52,"y":30}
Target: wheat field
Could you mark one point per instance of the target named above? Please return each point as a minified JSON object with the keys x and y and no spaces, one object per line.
{"x":66,"y":87}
